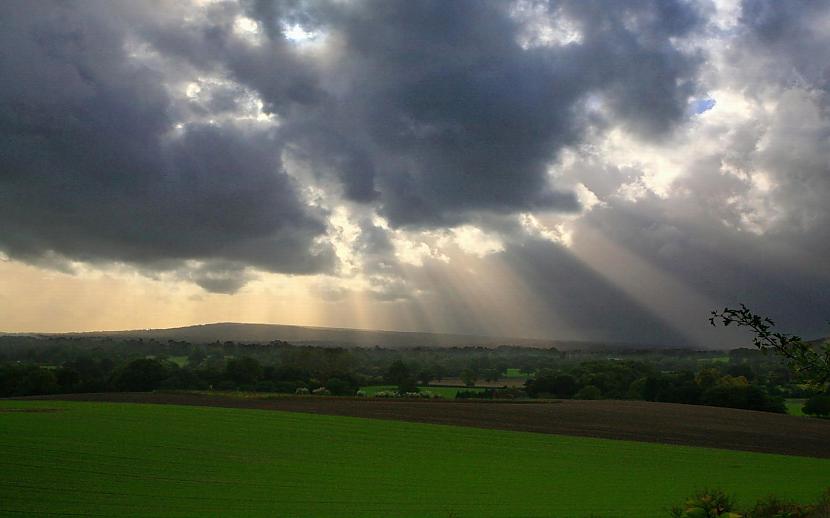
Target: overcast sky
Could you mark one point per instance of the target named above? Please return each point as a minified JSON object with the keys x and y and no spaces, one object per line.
{"x":594,"y":170}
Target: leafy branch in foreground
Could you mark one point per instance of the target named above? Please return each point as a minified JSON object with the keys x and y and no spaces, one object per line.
{"x":714,"y":503}
{"x":810,"y":363}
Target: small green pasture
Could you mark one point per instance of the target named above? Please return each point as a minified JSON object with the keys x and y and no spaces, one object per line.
{"x":108,"y":459}
{"x":514,"y":373}
{"x":181,"y":361}
{"x":794,"y":406}
{"x":445,"y":392}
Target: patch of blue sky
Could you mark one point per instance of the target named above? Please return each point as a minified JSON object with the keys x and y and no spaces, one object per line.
{"x":699,"y":106}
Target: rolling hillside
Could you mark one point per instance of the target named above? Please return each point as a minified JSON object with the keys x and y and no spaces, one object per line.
{"x":329,"y":336}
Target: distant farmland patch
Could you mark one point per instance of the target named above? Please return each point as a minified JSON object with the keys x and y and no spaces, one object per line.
{"x":111,"y":459}
{"x":445,"y":392}
{"x":515,"y":373}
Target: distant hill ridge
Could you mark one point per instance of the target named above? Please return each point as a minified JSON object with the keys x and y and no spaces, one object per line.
{"x":329,"y":336}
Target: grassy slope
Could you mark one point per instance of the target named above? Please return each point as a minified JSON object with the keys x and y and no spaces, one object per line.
{"x":119,"y":459}
{"x":794,"y":406}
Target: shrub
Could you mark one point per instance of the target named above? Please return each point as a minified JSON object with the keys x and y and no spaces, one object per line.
{"x":706,"y":503}
{"x":715,"y":503}
{"x":301,"y":391}
{"x":818,"y":405}
{"x":822,"y":507}
{"x":750,"y":397}
{"x":773,"y":507}
{"x":339,"y":387}
{"x":559,"y":385}
{"x":407,"y":386}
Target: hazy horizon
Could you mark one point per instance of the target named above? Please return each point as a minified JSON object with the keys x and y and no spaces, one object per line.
{"x":368,"y":331}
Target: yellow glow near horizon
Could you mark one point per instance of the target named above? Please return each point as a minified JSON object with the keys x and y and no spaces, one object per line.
{"x":465,"y":293}
{"x":486,"y":296}
{"x":35,"y":299}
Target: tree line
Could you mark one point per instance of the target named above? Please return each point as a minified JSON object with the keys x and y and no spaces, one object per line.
{"x":741,"y":378}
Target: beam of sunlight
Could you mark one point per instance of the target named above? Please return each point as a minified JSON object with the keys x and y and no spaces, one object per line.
{"x":678,"y":304}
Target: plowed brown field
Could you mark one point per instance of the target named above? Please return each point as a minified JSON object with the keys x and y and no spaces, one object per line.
{"x":630,"y":420}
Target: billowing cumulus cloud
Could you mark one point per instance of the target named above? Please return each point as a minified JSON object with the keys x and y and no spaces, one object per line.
{"x":97,"y":168}
{"x":388,"y":149}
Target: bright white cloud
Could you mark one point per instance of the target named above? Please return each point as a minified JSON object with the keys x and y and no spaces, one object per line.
{"x":475,"y":241}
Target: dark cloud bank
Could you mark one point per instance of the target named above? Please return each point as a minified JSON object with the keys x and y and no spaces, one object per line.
{"x":432,"y":113}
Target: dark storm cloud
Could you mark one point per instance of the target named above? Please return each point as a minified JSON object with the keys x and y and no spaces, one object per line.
{"x":627,"y":55}
{"x":438,"y":111}
{"x":794,"y":38}
{"x":93,"y":169}
{"x":218,"y":276}
{"x":430,"y":114}
{"x":746,"y":220}
{"x":431,"y":111}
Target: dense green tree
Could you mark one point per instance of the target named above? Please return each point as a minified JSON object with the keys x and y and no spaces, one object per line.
{"x":707,"y":378}
{"x":340,"y":387}
{"x":243,"y":371}
{"x":679,"y":387}
{"x":25,"y":380}
{"x":425,"y":376}
{"x":400,"y":375}
{"x":67,"y":378}
{"x":741,"y":369}
{"x":140,"y":375}
{"x":742,"y":395}
{"x":183,"y":379}
{"x":196,"y":357}
{"x":818,"y":405}
{"x":469,"y":377}
{"x":555,"y":384}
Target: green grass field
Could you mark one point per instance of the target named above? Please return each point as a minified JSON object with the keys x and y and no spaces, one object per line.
{"x":445,"y":392}
{"x":109,"y":459}
{"x":794,"y":406}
